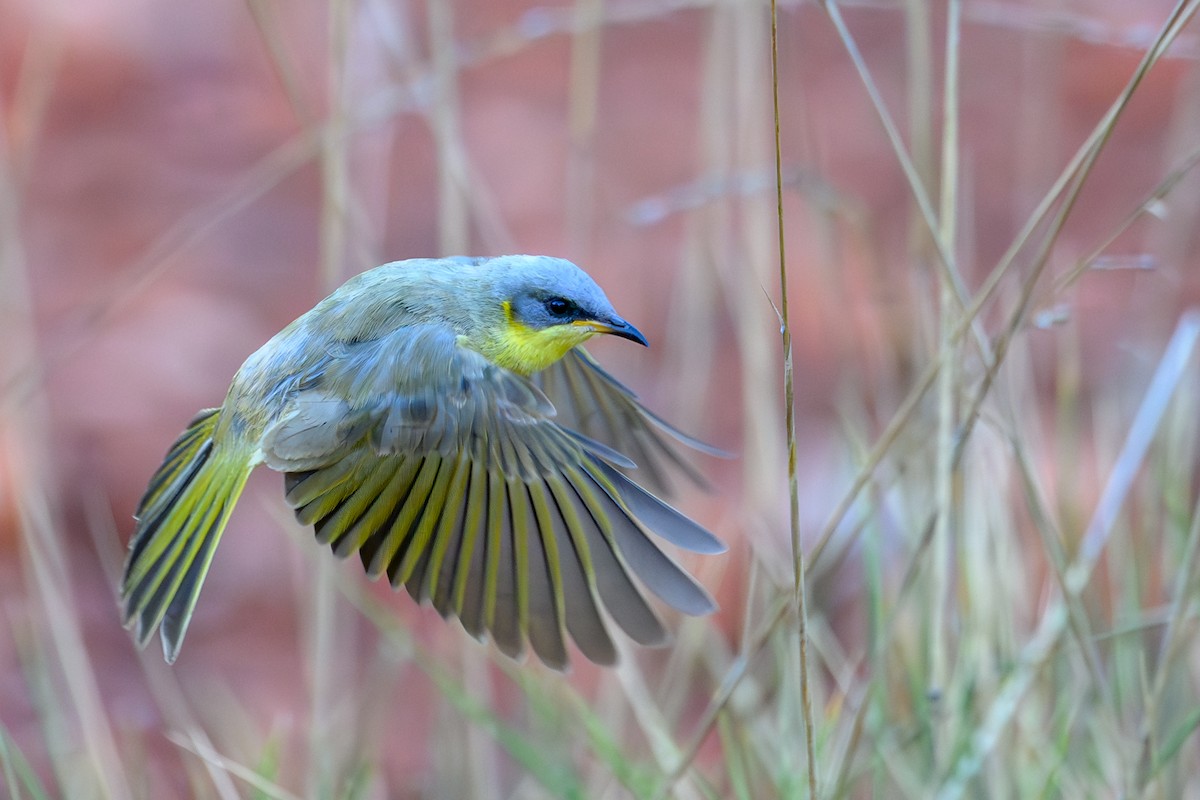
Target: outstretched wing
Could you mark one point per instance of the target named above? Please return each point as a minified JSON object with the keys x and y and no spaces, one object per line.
{"x":596,"y":404}
{"x":451,"y":475}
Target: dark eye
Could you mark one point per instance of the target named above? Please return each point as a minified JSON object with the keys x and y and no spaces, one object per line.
{"x":558,"y":307}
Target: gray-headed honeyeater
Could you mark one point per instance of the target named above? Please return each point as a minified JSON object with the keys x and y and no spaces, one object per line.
{"x":439,"y":418}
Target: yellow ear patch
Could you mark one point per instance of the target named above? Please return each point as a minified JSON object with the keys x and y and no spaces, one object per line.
{"x":525,"y":350}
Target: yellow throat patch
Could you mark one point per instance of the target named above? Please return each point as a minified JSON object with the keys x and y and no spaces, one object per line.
{"x":527,"y":350}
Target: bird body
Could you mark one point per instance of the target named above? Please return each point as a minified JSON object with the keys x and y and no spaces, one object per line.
{"x":403,"y":413}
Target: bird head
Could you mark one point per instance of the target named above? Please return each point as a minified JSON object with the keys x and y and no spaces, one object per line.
{"x":546,"y":306}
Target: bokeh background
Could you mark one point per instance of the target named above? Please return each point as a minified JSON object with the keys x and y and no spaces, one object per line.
{"x":180,"y":180}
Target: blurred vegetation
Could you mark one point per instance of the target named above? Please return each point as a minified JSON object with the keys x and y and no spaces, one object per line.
{"x":996,"y":435}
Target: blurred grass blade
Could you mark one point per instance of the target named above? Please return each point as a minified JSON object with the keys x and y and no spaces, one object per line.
{"x":558,"y":778}
{"x":1173,"y":742}
{"x":636,"y":778}
{"x":252,"y":778}
{"x":1054,"y":621}
{"x":17,"y":772}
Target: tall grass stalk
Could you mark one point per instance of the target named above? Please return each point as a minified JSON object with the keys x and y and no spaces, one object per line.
{"x":947,"y":517}
{"x":800,"y":600}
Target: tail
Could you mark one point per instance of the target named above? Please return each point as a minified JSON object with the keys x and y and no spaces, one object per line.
{"x":179,"y":522}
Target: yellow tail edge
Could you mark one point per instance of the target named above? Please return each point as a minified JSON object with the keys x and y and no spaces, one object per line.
{"x":179,"y":522}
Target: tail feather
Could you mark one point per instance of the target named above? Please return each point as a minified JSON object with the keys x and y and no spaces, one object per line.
{"x":179,"y":522}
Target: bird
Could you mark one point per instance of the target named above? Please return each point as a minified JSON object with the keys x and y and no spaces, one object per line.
{"x":440,"y":418}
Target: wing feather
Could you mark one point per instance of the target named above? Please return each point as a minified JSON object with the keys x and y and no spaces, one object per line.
{"x":583,"y":619}
{"x":621,"y":596}
{"x":652,"y":566}
{"x":395,"y":539}
{"x":446,"y":543}
{"x":456,"y":478}
{"x":302,"y":488}
{"x":469,"y":573}
{"x":410,"y":570}
{"x":520,"y":517}
{"x":596,"y":404}
{"x":382,"y":515}
{"x":504,"y":614}
{"x":546,"y":599}
{"x":442,"y":510}
{"x":353,"y":507}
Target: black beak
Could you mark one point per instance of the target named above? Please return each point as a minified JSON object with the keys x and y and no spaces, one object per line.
{"x":619,"y":327}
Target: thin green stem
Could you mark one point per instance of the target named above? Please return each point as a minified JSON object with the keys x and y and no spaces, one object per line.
{"x":943,"y":547}
{"x":800,"y":602}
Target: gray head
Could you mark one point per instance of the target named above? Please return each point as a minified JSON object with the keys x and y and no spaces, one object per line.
{"x":541,"y":292}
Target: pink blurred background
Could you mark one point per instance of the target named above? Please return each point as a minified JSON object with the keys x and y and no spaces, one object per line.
{"x":169,"y":214}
